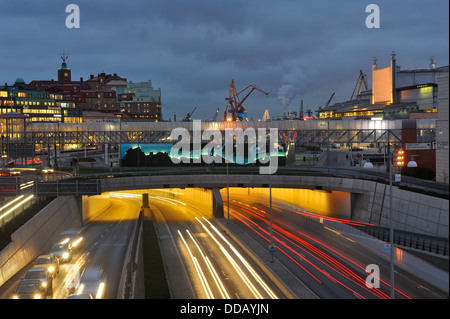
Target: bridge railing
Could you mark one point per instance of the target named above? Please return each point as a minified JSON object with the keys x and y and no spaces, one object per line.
{"x":68,"y":188}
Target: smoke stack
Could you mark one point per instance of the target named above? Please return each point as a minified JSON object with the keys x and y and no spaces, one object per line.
{"x":301,"y":110}
{"x":432,"y":63}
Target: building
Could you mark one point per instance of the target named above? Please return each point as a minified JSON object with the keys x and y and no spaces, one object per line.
{"x":108,"y":93}
{"x":39,"y":106}
{"x":140,"y":101}
{"x":442,"y":133}
{"x":94,"y":94}
{"x":395,"y":94}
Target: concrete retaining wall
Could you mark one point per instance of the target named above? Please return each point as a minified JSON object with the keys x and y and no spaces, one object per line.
{"x":38,"y":234}
{"x":329,"y":203}
{"x":94,"y":205}
{"x":413,"y":212}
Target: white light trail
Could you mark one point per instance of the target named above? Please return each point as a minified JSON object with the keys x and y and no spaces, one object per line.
{"x":242,"y":259}
{"x":213,"y":272}
{"x":234,"y":264}
{"x":205,"y":285}
{"x":16,"y":206}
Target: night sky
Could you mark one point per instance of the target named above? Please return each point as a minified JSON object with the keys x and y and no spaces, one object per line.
{"x":192,"y":49}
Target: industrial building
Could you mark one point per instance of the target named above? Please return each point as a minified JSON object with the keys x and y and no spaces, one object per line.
{"x":442,"y":134}
{"x":395,"y":94}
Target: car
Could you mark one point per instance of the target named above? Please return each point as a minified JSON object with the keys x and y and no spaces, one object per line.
{"x":62,"y":251}
{"x":49,"y":261}
{"x":43,"y":275}
{"x":46,"y":170}
{"x":8,"y":172}
{"x":92,"y":282}
{"x":356,"y":148}
{"x":29,"y":289}
{"x":73,"y":238}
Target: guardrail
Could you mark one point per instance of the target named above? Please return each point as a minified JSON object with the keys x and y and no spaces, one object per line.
{"x":127,"y":287}
{"x":68,"y":188}
{"x":9,"y":186}
{"x":438,"y":246}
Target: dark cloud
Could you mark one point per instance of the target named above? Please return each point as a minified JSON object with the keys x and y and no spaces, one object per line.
{"x":193,"y":49}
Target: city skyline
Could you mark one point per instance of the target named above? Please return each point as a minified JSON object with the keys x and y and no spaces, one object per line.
{"x":193,"y":50}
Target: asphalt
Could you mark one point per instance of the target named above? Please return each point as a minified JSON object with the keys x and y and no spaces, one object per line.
{"x":289,"y":284}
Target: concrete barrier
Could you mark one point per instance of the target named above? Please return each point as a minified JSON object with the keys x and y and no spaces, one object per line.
{"x":38,"y":234}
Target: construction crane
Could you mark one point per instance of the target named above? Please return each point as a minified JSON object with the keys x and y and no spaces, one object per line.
{"x":234,"y":110}
{"x":361,"y":80}
{"x":188,"y":117}
{"x":329,"y":100}
{"x":214,"y":119}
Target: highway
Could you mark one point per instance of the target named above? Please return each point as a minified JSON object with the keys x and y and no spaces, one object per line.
{"x":215,"y":267}
{"x":327,"y":255}
{"x":105,"y":241}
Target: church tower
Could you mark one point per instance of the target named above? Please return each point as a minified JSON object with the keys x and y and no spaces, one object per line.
{"x":64,"y":74}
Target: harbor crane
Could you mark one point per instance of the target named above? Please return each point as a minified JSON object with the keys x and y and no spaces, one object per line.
{"x":188,"y":117}
{"x":234,"y":110}
{"x":359,"y":83}
{"x":215,"y":115}
{"x":329,"y":100}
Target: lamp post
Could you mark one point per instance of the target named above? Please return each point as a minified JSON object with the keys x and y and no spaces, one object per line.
{"x":228,"y":193}
{"x":328,"y":142}
{"x":391,"y":226}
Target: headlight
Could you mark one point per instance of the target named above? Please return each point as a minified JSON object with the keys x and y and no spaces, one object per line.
{"x":51,"y":269}
{"x":37,"y":296}
{"x":65,"y":255}
{"x":44,"y":284}
{"x":77,"y":242}
{"x":99,"y":294}
{"x":15,"y":297}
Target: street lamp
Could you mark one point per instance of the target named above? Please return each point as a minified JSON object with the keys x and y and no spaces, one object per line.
{"x":328,"y":142}
{"x":412,"y":163}
{"x":391,"y":224}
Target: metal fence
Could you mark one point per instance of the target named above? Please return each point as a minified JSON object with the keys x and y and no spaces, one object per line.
{"x":424,"y":243}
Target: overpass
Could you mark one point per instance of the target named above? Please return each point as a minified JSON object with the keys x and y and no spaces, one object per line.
{"x":318,"y":132}
{"x":353,"y":199}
